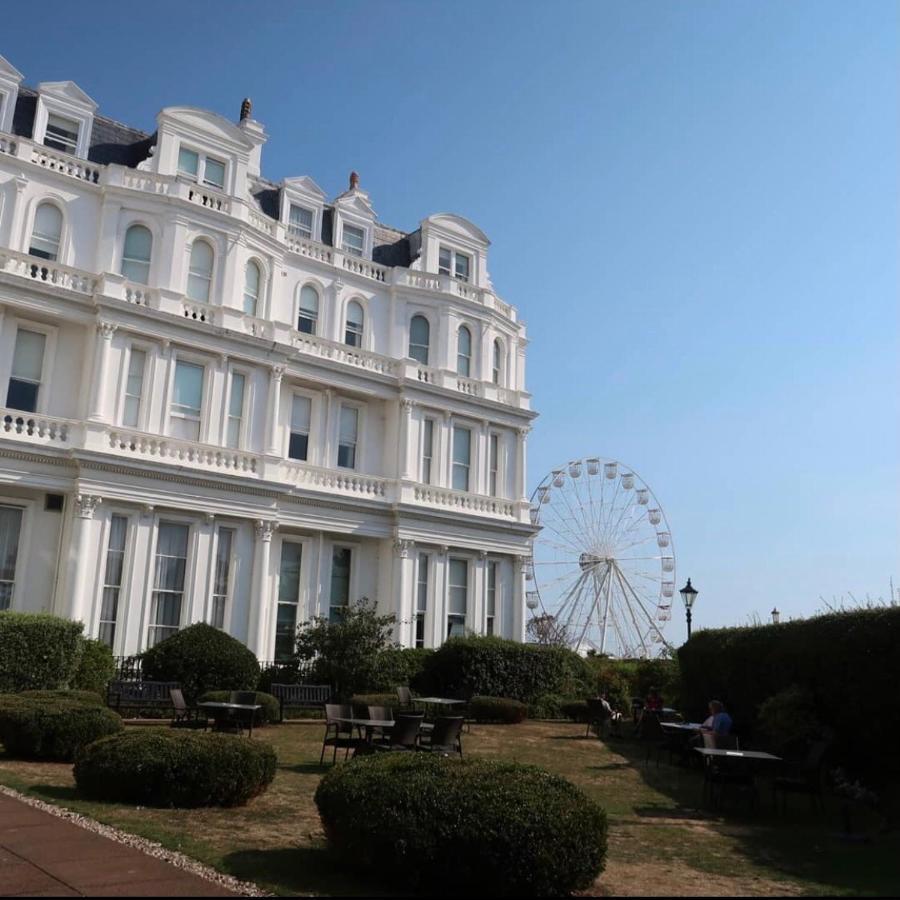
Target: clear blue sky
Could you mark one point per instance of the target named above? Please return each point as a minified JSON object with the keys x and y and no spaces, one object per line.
{"x":694,"y":205}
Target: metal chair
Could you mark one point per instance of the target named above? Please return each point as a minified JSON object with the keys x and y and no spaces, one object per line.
{"x":386,"y":714}
{"x":404,"y":697}
{"x":404,"y":734}
{"x":186,"y":716}
{"x":804,"y":777}
{"x":338,"y":734}
{"x":446,"y":737}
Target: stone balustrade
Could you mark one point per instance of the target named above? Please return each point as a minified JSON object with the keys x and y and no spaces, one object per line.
{"x":33,"y":428}
{"x":65,"y":164}
{"x":461,"y":501}
{"x":183,"y":453}
{"x":341,"y":481}
{"x":7,"y":144}
{"x":43,"y":270}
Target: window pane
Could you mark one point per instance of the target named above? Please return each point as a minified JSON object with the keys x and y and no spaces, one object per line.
{"x":214,"y":173}
{"x":498,"y":361}
{"x":354,"y":329}
{"x":419,"y":334}
{"x":353,"y":240}
{"x":462,"y":446}
{"x":349,"y":420}
{"x":171,"y":563}
{"x":427,"y":450}
{"x":61,"y":134}
{"x":28,"y":355}
{"x":46,"y":232}
{"x":221,"y":576}
{"x":188,"y":162}
{"x":288,"y":598}
{"x":301,"y":408}
{"x":236,"y":403}
{"x":422,"y":584}
{"x":340,"y":581}
{"x":458,"y":587}
{"x":10,"y":527}
{"x":22,"y":395}
{"x":309,"y":310}
{"x":462,"y":267}
{"x":133,"y":388}
{"x":200,"y":272}
{"x":251,"y":288}
{"x":463,"y":351}
{"x":444,"y":261}
{"x":188,"y":393}
{"x":300,"y":221}
{"x":136,"y":254}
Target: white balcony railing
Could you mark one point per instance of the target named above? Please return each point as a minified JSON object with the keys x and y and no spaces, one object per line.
{"x":43,"y":270}
{"x":183,"y":453}
{"x":339,"y":481}
{"x":65,"y":164}
{"x":462,"y":501}
{"x":33,"y":428}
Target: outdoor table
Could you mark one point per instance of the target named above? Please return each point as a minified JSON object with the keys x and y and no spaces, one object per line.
{"x":438,"y":701}
{"x":737,"y":754}
{"x":221,"y":710}
{"x":369,"y":724}
{"x":687,"y":727}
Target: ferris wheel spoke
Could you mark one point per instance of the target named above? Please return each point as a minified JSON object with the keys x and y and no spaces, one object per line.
{"x":563,"y":538}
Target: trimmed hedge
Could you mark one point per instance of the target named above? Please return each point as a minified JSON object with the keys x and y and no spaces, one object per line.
{"x":495,"y":667}
{"x":96,"y":668}
{"x":54,"y":729}
{"x":847,"y":662}
{"x":175,"y":768}
{"x":398,"y":666}
{"x":497,"y":709}
{"x":360,"y":700}
{"x":201,"y":658}
{"x":456,"y":826}
{"x":576,"y":710}
{"x":89,"y":698}
{"x":37,"y":651}
{"x":270,"y":714}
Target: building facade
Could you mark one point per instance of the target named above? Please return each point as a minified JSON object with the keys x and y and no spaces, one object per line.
{"x":232,"y":401}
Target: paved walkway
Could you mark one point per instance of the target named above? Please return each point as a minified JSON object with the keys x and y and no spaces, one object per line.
{"x":42,"y":855}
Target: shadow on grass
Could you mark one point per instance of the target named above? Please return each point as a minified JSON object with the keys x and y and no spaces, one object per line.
{"x":57,"y":792}
{"x":308,"y":768}
{"x":299,"y":870}
{"x":610,"y":767}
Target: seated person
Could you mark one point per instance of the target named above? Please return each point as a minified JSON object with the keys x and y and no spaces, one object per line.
{"x":718,"y":721}
{"x":615,"y":717}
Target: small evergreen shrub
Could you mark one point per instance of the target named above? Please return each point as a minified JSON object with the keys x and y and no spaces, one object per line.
{"x":576,"y":710}
{"x":497,"y":709}
{"x":787,"y":720}
{"x":456,"y":827}
{"x":361,"y":701}
{"x":37,"y":651}
{"x":397,"y":666}
{"x":50,"y":728}
{"x":175,"y":768}
{"x":270,"y":713}
{"x":202,"y":658}
{"x":96,"y":668}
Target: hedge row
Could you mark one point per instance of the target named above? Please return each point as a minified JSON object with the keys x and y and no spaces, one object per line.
{"x":847,"y":662}
{"x":497,"y":709}
{"x":38,"y":651}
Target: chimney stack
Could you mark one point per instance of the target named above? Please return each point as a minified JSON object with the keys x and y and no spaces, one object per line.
{"x":354,"y":181}
{"x":246,"y":107}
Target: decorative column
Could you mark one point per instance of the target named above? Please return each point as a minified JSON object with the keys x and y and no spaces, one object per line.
{"x":439,"y":595}
{"x":521,"y":474}
{"x":477,"y":617}
{"x":403,"y":607}
{"x":517,"y":625}
{"x":481,"y":460}
{"x":405,"y":456}
{"x":273,"y":410}
{"x":105,"y":332}
{"x":78,"y":563}
{"x":444,"y":462}
{"x":332,"y":326}
{"x":257,"y":626}
{"x":17,"y":220}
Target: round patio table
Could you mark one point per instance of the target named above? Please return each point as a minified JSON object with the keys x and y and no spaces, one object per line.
{"x":221,"y":711}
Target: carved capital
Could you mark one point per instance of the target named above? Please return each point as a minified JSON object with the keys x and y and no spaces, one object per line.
{"x":85,"y":504}
{"x":406,"y":405}
{"x":277,"y":373}
{"x":403,"y":547}
{"x":524,"y":431}
{"x":443,"y":550}
{"x":482,"y":555}
{"x":106,"y":330}
{"x":265,"y":528}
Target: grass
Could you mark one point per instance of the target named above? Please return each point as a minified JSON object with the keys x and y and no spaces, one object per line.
{"x":660,"y":842}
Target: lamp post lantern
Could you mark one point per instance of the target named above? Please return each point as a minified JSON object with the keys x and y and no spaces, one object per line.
{"x":688,"y":595}
{"x":776,"y":616}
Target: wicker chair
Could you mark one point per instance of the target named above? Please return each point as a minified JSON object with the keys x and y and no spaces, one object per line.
{"x":446,"y":737}
{"x":404,"y":735}
{"x":338,"y":735}
{"x":186,"y":716}
{"x":385,"y":714}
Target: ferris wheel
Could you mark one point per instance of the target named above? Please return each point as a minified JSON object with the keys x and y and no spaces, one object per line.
{"x":603,"y":565}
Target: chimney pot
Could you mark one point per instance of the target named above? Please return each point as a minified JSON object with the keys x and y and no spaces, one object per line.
{"x":354,"y":181}
{"x":246,"y":107}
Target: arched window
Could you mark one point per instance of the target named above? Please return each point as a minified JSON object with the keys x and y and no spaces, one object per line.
{"x":353,"y":333}
{"x":200,"y":271}
{"x":308,"y":315}
{"x":464,"y":351}
{"x":497,"y":371}
{"x":45,"y":234}
{"x":419,"y":335}
{"x":136,"y":254}
{"x":252,"y":280}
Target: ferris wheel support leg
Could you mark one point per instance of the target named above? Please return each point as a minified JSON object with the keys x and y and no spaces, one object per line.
{"x":599,"y":590}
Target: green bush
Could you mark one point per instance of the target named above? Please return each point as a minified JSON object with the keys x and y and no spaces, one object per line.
{"x":397,"y":666}
{"x":547,"y":706}
{"x":175,"y":768}
{"x":89,"y":698}
{"x":50,"y":728}
{"x":280,"y":673}
{"x":576,"y":710}
{"x":363,"y":700}
{"x":497,"y":709}
{"x":202,"y":658}
{"x":37,"y":651}
{"x":495,"y":667}
{"x":848,"y":662}
{"x":270,"y":713}
{"x":451,"y":826}
{"x":96,"y":668}
{"x":787,"y":721}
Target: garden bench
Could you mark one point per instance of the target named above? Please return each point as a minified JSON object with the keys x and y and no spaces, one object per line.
{"x":140,"y":695}
{"x":304,"y":696}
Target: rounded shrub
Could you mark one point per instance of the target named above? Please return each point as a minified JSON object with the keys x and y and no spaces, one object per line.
{"x":175,"y":768}
{"x":202,"y":658}
{"x":96,"y":668}
{"x":54,"y":729}
{"x":576,"y":710}
{"x":270,"y":713}
{"x":38,"y":651}
{"x":364,"y":700}
{"x":452,"y":826}
{"x":89,"y":698}
{"x":497,"y":709}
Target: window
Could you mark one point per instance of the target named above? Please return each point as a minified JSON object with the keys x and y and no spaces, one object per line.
{"x":298,"y":444}
{"x":353,"y":333}
{"x":136,"y":254}
{"x":252,"y":279}
{"x":300,"y":221}
{"x":61,"y":134}
{"x":340,"y":583}
{"x":462,"y":267}
{"x":168,"y":584}
{"x":27,"y":366}
{"x":191,"y":163}
{"x":419,"y":334}
{"x":134,"y":388}
{"x":462,"y":455}
{"x":497,"y":368}
{"x":353,"y":240}
{"x":288,"y":598}
{"x":187,"y":399}
{"x":491,"y":604}
{"x":457,"y":600}
{"x":445,"y":261}
{"x":308,"y":316}
{"x":200,"y":271}
{"x":235,"y":411}
{"x":221,"y":577}
{"x":421,"y":598}
{"x":10,"y":528}
{"x":46,"y":232}
{"x":494,"y":465}
{"x":427,"y":449}
{"x":464,"y":351}
{"x":349,"y":423}
{"x":452,"y":262}
{"x":112,"y":579}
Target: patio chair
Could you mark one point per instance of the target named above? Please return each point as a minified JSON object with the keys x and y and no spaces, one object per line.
{"x":596,"y":715}
{"x":446,"y":737}
{"x":804,"y":777}
{"x":385,"y":713}
{"x":651,"y":732}
{"x":404,"y":735}
{"x":404,"y":698}
{"x":719,"y":775}
{"x":338,"y":734}
{"x":186,"y":716}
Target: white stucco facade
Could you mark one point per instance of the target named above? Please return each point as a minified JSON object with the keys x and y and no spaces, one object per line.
{"x":215,"y":404}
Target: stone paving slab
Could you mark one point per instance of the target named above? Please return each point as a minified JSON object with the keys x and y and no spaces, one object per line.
{"x":42,"y":855}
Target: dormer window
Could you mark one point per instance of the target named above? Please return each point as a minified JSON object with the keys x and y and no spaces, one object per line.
{"x":201,"y":168}
{"x":452,"y":262}
{"x":300,"y":222}
{"x":353,"y":240}
{"x":61,"y":134}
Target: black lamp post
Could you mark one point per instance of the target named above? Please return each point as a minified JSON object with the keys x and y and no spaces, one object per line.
{"x":776,"y":616}
{"x":688,"y":595}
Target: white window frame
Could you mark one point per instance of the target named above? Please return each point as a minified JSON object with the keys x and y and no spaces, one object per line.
{"x":448,"y":615}
{"x":70,"y":145}
{"x":452,"y":270}
{"x":409,"y":343}
{"x":313,"y":404}
{"x":124,"y":259}
{"x":190,"y":570}
{"x":231,"y":574}
{"x":23,"y":552}
{"x":119,"y":638}
{"x":459,"y":355}
{"x":365,"y":323}
{"x":259,"y":300}
{"x":48,"y":105}
{"x":143,"y":407}
{"x":352,"y":581}
{"x":318,"y":319}
{"x":47,"y":364}
{"x":420,"y":615}
{"x":427,"y":471}
{"x":495,"y":475}
{"x":351,"y":251}
{"x":472,"y":452}
{"x":293,"y":229}
{"x":211,"y":293}
{"x":302,"y":591}
{"x":245,"y":407}
{"x":200,"y":177}
{"x":193,"y":359}
{"x":62,"y":246}
{"x":360,"y":424}
{"x":492,"y":622}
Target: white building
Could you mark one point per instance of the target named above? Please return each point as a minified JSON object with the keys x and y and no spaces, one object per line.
{"x":229,"y":400}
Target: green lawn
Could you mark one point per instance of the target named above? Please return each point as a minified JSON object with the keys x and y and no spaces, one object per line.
{"x":660,"y":842}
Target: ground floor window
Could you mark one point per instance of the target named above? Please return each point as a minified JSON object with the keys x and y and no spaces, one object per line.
{"x":288,"y":598}
{"x":221,"y":577}
{"x":340,"y":583}
{"x":10,"y":529}
{"x":421,"y":598}
{"x":168,"y":584}
{"x":457,"y":600}
{"x":491,"y":604}
{"x":112,"y":579}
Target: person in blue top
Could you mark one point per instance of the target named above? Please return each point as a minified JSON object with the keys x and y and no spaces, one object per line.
{"x":718,"y":721}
